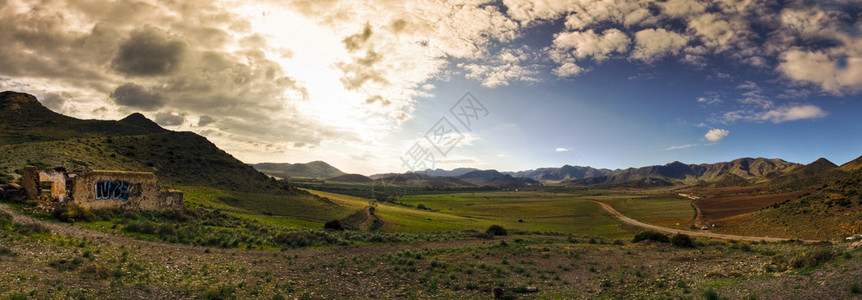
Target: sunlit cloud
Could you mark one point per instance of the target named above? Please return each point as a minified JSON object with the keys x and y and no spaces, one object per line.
{"x":715,"y":135}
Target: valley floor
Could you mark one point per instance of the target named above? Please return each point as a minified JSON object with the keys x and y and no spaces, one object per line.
{"x":73,"y":262}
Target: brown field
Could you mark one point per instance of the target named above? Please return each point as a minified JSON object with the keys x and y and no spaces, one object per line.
{"x":717,"y":208}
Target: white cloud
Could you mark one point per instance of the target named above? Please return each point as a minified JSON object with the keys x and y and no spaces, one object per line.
{"x":507,"y":66}
{"x":652,"y":44}
{"x":714,"y":135}
{"x":710,"y":99}
{"x":791,"y":113}
{"x":682,"y":8}
{"x":561,"y":149}
{"x":677,"y":147}
{"x":568,"y":69}
{"x":588,"y":44}
{"x":836,"y":71}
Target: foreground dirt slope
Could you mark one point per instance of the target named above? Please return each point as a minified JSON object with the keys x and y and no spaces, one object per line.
{"x":78,"y":263}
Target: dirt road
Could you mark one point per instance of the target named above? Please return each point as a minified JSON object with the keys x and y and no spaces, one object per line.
{"x":634,"y":222}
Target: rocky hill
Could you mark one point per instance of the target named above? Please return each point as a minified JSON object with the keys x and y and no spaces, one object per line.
{"x":31,"y":134}
{"x":315,"y":169}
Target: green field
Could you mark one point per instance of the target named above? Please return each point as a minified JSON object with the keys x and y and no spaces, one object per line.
{"x":291,"y":211}
{"x":525,"y":211}
{"x":658,"y":210}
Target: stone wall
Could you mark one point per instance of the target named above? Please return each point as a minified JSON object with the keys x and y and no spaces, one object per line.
{"x":105,"y":189}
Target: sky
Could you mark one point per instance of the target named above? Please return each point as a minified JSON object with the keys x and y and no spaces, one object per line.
{"x":389,"y":86}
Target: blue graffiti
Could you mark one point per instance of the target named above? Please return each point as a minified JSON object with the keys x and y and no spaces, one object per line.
{"x":113,"y":189}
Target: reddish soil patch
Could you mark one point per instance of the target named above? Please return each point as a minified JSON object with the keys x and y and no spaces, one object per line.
{"x":716,"y":208}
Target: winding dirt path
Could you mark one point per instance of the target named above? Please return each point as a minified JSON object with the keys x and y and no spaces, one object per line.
{"x":369,"y":218}
{"x":634,"y":222}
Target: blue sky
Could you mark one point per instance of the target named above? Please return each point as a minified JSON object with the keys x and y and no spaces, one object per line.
{"x":604,"y":83}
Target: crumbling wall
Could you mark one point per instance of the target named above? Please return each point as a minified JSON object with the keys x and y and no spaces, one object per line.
{"x":124,"y":190}
{"x":104,"y":189}
{"x":58,"y":183}
{"x":30,"y":182}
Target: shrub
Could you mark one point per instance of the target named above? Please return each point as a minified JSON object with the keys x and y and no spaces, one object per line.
{"x":812,"y":258}
{"x":7,"y":252}
{"x":31,"y":228}
{"x":141,"y":227}
{"x":710,"y":294}
{"x":97,"y":271}
{"x":496,"y":230}
{"x":5,"y":218}
{"x":224,"y":291}
{"x":71,"y":212}
{"x":333,"y":225}
{"x":652,"y":236}
{"x":682,"y":241}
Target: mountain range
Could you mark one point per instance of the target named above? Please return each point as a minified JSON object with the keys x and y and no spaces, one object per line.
{"x":32,"y":134}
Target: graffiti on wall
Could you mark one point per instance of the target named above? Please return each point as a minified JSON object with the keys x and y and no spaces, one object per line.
{"x":113,"y":189}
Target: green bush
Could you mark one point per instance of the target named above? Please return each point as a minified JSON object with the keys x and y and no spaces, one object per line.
{"x":652,"y":236}
{"x":812,"y":258}
{"x":5,"y":218}
{"x":71,"y":212}
{"x":144,"y":227}
{"x":710,"y":294}
{"x":31,"y":228}
{"x":333,"y":225}
{"x":496,"y":230}
{"x":682,"y":241}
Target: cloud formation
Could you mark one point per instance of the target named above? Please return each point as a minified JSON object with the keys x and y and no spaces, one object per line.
{"x":147,"y":52}
{"x":170,"y":118}
{"x":138,"y":97}
{"x":715,"y":135}
{"x":313,"y":72}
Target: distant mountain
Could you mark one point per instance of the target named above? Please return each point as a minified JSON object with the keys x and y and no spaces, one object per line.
{"x":444,"y":173}
{"x":315,"y":169}
{"x":494,"y":178}
{"x":31,"y":134}
{"x":351,"y":178}
{"x":742,"y":169}
{"x":562,"y":173}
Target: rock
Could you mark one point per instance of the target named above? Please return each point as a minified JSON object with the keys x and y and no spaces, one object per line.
{"x":532,"y":289}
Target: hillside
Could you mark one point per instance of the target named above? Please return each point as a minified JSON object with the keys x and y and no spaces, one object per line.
{"x":351,"y":178}
{"x":833,"y":210}
{"x":34,"y":135}
{"x":23,"y":119}
{"x":493,"y":178}
{"x":315,"y":169}
{"x":852,"y":165}
{"x":819,"y":172}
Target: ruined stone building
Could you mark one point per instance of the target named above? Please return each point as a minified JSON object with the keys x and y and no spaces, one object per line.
{"x":101,"y":189}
